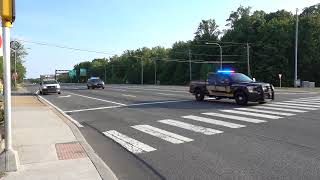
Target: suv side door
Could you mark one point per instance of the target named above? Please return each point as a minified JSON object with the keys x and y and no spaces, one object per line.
{"x":211,"y":86}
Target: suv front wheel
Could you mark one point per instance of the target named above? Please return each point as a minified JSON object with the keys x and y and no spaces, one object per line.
{"x":241,"y":98}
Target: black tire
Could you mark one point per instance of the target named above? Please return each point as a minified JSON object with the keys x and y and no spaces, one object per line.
{"x":102,"y":87}
{"x":59,"y":92}
{"x":88,"y":87}
{"x":262,"y":102}
{"x":241,"y":98}
{"x":41,"y":93}
{"x":199,"y":95}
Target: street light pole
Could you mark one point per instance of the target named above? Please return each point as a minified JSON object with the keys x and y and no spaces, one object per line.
{"x":248,"y":59}
{"x":190,"y":66}
{"x":220,"y":52}
{"x":155,"y":71}
{"x":141,"y":71}
{"x":296,"y":51}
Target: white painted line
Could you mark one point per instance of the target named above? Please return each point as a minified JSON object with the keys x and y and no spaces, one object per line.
{"x":63,"y":113}
{"x":252,"y":114}
{"x":191,"y":127}
{"x":93,"y":109}
{"x":308,"y":98}
{"x":280,"y":109}
{"x":162,"y":134}
{"x":36,"y":93}
{"x":130,"y":105}
{"x":296,"y":104}
{"x":128,"y":95}
{"x":64,"y":96}
{"x":268,"y":112}
{"x":167,"y":94}
{"x":159,"y":102}
{"x":214,"y":121}
{"x":304,"y":102}
{"x":238,"y":118}
{"x":98,"y":99}
{"x":293,"y":107}
{"x":130,"y":144}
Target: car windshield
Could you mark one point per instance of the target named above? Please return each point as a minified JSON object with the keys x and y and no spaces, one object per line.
{"x":238,"y":77}
{"x":95,"y":80}
{"x":50,"y":82}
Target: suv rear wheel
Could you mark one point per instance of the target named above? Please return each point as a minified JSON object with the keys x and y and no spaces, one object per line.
{"x":241,"y":98}
{"x":199,"y":95}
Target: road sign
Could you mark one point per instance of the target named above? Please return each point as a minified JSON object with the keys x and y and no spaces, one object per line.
{"x":83,"y":72}
{"x":72,"y":73}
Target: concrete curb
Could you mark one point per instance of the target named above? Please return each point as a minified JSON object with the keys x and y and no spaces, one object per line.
{"x":104,"y":171}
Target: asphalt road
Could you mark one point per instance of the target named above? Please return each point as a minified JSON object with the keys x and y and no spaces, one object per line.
{"x":161,"y":132}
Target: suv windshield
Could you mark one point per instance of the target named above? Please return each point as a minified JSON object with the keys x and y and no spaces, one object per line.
{"x":238,"y":77}
{"x":95,"y":80}
{"x":50,"y":82}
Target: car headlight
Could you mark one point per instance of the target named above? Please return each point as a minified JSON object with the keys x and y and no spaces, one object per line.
{"x":252,"y":89}
{"x":44,"y":87}
{"x":58,"y":86}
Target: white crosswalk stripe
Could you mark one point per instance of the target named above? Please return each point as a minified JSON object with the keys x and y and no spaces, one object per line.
{"x":191,"y":127}
{"x":292,"y":106}
{"x":317,"y":98}
{"x":252,"y":114}
{"x":295,"y":104}
{"x":303,"y":102}
{"x":238,"y":118}
{"x":307,"y":100}
{"x":280,"y":109}
{"x":130,"y":144}
{"x":214,"y":121}
{"x":267,"y":112}
{"x":162,"y":134}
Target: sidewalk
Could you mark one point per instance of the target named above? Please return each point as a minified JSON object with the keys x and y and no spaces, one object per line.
{"x":46,"y":145}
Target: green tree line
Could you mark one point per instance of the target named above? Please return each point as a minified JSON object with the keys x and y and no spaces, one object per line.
{"x":269,"y":36}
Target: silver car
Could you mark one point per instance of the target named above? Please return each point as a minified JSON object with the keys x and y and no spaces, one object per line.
{"x":49,"y":86}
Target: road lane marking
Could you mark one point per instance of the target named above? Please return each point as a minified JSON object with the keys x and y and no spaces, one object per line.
{"x":214,"y":121}
{"x":167,"y":94}
{"x":238,"y":118}
{"x":129,"y":105}
{"x":98,"y":99}
{"x":308,"y":98}
{"x":293,"y":107}
{"x":130,"y":144}
{"x":280,"y":109}
{"x":191,"y":127}
{"x":296,"y":104}
{"x":316,"y":101}
{"x":268,"y":112}
{"x":64,"y":96}
{"x":63,"y":113}
{"x":303,"y":102}
{"x":162,"y":134}
{"x":252,"y":114}
{"x":128,"y":95}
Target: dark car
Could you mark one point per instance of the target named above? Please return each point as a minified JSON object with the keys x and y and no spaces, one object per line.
{"x":233,"y":86}
{"x":95,"y":83}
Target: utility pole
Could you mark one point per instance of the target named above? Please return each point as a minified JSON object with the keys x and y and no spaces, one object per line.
{"x":296,"y":50}
{"x":248,"y":61}
{"x":105,"y":71}
{"x":141,"y":71}
{"x":112,"y":73}
{"x":155,"y":71}
{"x":190,"y":65}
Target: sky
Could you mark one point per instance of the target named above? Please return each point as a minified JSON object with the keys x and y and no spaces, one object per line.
{"x":113,"y":26}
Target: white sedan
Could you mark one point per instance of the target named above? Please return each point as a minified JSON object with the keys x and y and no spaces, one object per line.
{"x":49,"y":86}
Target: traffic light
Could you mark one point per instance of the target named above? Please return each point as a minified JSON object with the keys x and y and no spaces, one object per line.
{"x":7,"y":10}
